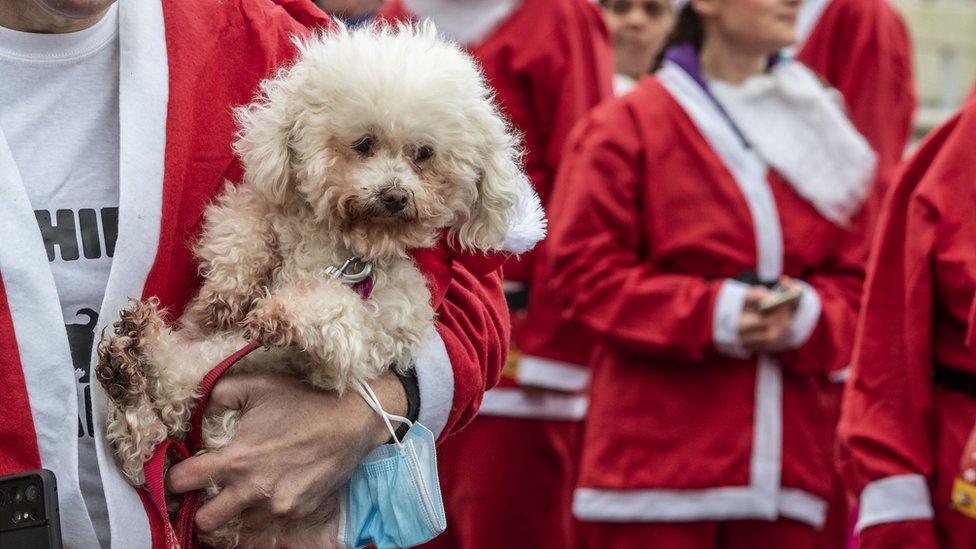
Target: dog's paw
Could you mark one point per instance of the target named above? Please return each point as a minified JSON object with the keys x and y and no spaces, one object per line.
{"x":268,"y":323}
{"x":121,"y":367}
{"x":120,"y":370}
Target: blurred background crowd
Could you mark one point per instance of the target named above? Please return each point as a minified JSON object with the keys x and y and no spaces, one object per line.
{"x":651,"y":398}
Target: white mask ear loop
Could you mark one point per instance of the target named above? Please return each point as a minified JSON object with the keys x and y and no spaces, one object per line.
{"x":373,"y":402}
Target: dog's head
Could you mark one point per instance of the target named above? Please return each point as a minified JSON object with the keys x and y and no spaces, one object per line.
{"x":387,"y":135}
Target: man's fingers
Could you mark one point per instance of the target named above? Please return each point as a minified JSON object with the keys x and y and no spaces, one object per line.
{"x":231,"y":393}
{"x":229,"y":503}
{"x":196,"y":472}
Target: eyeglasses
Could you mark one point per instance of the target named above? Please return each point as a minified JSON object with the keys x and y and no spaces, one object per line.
{"x":652,"y":9}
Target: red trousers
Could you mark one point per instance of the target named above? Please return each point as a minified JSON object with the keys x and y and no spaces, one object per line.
{"x":508,"y":484}
{"x":738,"y":534}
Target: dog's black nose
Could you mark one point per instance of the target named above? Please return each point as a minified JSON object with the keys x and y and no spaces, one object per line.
{"x":394,"y":199}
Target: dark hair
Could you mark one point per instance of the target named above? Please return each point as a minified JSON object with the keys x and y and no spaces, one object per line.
{"x":687,"y":29}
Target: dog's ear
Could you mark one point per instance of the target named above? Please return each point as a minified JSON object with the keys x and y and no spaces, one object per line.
{"x":262,"y":144}
{"x":498,"y":168}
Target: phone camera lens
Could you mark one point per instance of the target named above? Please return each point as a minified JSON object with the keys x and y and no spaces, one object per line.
{"x":16,"y":496}
{"x":15,"y":518}
{"x":31,"y":492}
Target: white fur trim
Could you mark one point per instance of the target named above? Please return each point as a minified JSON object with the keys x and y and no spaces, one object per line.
{"x":803,"y":506}
{"x":806,"y":318}
{"x":143,"y":98}
{"x":725,"y":318}
{"x":528,"y":225}
{"x":513,"y":402}
{"x":467,"y":22}
{"x":435,"y":376}
{"x":894,"y":499}
{"x":43,"y":343}
{"x":797,"y":126}
{"x":728,"y":503}
{"x":536,"y":371}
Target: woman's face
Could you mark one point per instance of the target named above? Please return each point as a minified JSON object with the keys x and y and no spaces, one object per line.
{"x":760,"y":25}
{"x":639,"y":29}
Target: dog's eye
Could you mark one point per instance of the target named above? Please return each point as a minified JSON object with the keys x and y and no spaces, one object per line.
{"x":423,"y":153}
{"x":364,"y":145}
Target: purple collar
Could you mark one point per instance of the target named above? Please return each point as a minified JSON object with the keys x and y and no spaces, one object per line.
{"x":686,"y":56}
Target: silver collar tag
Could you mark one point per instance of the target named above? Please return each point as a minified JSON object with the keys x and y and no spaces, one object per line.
{"x":343,"y":275}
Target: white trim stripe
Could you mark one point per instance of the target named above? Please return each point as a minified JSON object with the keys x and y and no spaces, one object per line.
{"x":143,"y":101}
{"x":435,"y":376}
{"x":894,"y":499}
{"x":725,"y":319}
{"x":803,"y":506}
{"x":519,"y":403}
{"x":536,"y":371}
{"x":726,"y":503}
{"x":43,"y":344}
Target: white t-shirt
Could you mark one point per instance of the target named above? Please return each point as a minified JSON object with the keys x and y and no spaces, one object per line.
{"x":59,"y":110}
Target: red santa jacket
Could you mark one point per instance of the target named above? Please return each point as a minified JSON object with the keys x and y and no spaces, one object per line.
{"x":862,"y":48}
{"x":182,"y":69}
{"x":901,"y":436}
{"x":549,"y":62}
{"x":658,"y":206}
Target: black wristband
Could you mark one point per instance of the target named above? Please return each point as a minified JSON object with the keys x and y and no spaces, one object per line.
{"x":411,"y":388}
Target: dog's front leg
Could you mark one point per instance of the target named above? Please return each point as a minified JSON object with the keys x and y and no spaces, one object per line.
{"x":237,"y":252}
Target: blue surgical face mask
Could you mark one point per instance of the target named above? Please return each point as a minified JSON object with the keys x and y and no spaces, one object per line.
{"x":393,"y":498}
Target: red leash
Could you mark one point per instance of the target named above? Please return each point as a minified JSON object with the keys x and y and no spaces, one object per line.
{"x":182,"y":535}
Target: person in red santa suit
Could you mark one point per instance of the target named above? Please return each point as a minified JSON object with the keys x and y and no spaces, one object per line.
{"x":683,"y":214}
{"x":639,"y":29}
{"x":116,"y":127}
{"x":863,"y":49}
{"x":911,"y":400}
{"x":508,"y":478}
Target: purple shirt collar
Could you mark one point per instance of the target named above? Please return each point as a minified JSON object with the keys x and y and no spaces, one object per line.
{"x":686,"y":57}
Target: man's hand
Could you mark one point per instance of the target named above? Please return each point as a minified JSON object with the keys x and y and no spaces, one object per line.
{"x":765,"y":332}
{"x":294,"y":448}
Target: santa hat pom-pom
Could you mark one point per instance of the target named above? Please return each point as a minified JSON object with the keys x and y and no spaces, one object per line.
{"x":528,"y":225}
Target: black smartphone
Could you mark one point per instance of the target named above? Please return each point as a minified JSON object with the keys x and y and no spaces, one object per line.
{"x":29,"y":517}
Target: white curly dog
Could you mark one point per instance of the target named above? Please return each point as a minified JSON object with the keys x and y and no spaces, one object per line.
{"x":373,"y":143}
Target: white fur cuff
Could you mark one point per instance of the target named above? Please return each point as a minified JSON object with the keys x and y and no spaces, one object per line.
{"x":894,"y":499}
{"x":435,"y":376}
{"x":725,"y":320}
{"x":806,"y":318}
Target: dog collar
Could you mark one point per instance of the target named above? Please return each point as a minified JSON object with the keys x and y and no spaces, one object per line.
{"x":354,"y":272}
